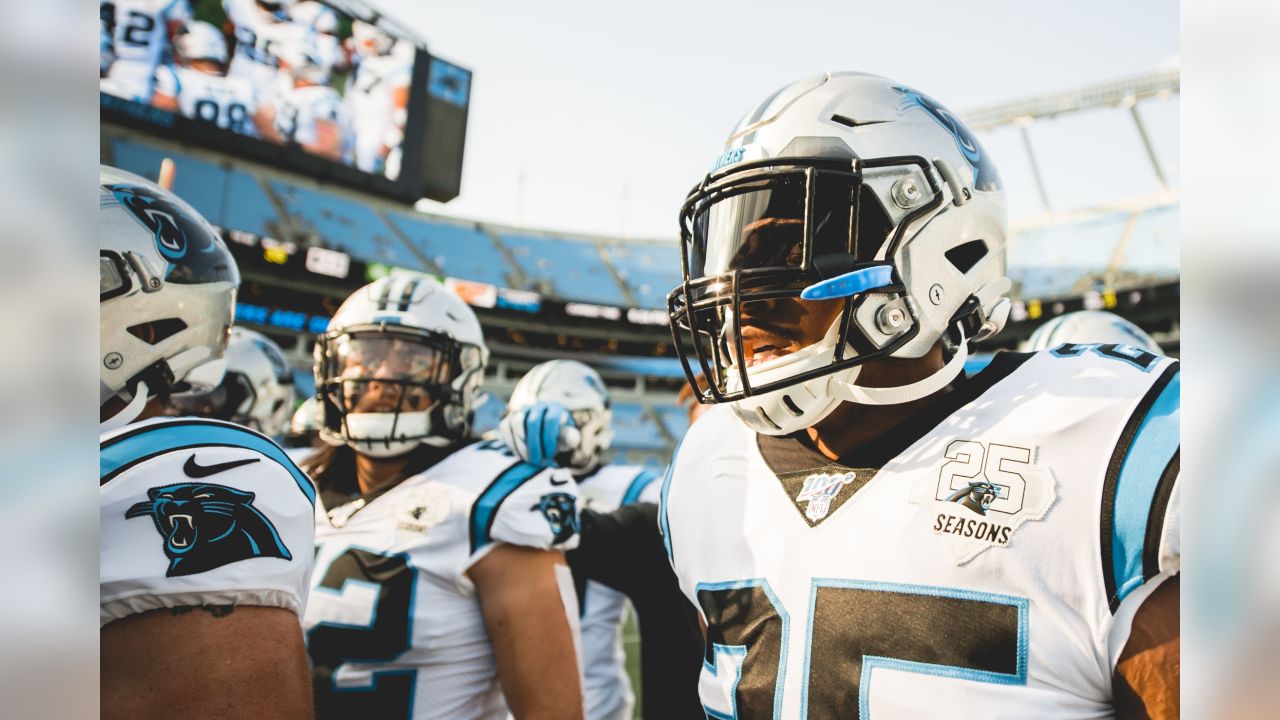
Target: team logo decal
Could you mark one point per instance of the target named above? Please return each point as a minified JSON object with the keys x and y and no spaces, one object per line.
{"x":819,"y":492}
{"x":819,"y":489}
{"x":157,"y":215}
{"x":985,"y":176}
{"x":982,"y":493}
{"x":422,"y":509}
{"x":206,"y":526}
{"x":561,"y":513}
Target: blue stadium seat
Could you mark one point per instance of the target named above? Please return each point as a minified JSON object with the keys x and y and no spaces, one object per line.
{"x":488,"y":414}
{"x":1048,"y":261}
{"x":247,"y":207}
{"x":633,"y":429}
{"x":675,"y":419}
{"x":572,"y":269}
{"x":461,"y":251}
{"x":651,"y":270}
{"x":345,"y":225}
{"x":1154,"y":244}
{"x":196,"y":181}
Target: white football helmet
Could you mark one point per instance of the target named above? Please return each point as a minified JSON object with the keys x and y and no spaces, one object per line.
{"x":580,"y":390}
{"x":316,"y":16}
{"x":306,"y":419}
{"x":401,"y":365}
{"x":1089,"y":326}
{"x":200,"y":40}
{"x":166,"y":291}
{"x":848,"y":187}
{"x":257,"y":390}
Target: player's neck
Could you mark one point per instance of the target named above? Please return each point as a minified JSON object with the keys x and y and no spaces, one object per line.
{"x":851,"y":426}
{"x":374,"y":474}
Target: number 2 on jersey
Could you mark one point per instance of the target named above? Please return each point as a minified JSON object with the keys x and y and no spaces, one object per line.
{"x":380,"y":587}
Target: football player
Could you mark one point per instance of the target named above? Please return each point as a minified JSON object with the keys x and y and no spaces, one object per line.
{"x":309,"y":112}
{"x":140,"y":33}
{"x":206,"y":527}
{"x":866,"y":532}
{"x":559,"y":415}
{"x":256,"y":25}
{"x":199,"y":88}
{"x":256,"y":390}
{"x":304,"y":429}
{"x":1090,"y":326}
{"x":440,"y":585}
{"x":570,"y":395}
{"x":379,"y":97}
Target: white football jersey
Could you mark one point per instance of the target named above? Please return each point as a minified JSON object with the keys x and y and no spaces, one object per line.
{"x":255,"y":30}
{"x":606,"y":688}
{"x":394,"y":628}
{"x":140,"y":38}
{"x":300,"y":108}
{"x":369,"y":96}
{"x":201,"y":512}
{"x":227,"y":102}
{"x":985,"y":560}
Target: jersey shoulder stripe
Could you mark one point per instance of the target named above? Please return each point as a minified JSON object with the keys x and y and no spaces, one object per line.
{"x":637,"y":486}
{"x":485,"y":509}
{"x":121,"y":452}
{"x":1139,"y":481}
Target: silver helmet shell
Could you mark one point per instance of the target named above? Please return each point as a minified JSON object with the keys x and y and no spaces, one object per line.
{"x":167,"y":288}
{"x":1090,"y":326}
{"x":896,"y":208}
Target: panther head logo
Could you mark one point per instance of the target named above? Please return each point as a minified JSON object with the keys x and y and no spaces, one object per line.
{"x":985,"y":175}
{"x":206,"y":526}
{"x":977,"y":496}
{"x":560,"y":510}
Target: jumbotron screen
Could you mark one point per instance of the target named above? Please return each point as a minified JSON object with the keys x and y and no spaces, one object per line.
{"x":327,"y":89}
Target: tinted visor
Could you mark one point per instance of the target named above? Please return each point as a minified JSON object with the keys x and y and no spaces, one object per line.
{"x":113,"y":279}
{"x":762,"y":223}
{"x":388,"y":372}
{"x":233,"y":397}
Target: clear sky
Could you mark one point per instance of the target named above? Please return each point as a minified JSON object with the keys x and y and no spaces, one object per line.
{"x":599,"y":116}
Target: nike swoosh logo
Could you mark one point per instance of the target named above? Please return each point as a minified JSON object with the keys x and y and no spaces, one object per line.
{"x":199,"y":471}
{"x":562,"y":482}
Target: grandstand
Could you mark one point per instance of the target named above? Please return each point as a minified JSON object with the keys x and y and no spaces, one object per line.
{"x":543,"y":294}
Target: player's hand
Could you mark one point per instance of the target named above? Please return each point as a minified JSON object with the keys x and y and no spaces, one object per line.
{"x":538,"y":432}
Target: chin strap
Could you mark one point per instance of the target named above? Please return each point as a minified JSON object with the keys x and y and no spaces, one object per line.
{"x":130,"y":411}
{"x":904,"y":393}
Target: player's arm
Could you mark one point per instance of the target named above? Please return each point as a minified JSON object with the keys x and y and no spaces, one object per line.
{"x":328,"y":142}
{"x":1148,"y":675}
{"x":526,"y":607}
{"x":209,"y":662}
{"x":165,"y":93}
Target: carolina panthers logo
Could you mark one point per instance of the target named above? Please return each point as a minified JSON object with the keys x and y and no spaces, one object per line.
{"x":561,"y":512}
{"x":977,"y":496}
{"x":985,"y":176}
{"x":206,"y":526}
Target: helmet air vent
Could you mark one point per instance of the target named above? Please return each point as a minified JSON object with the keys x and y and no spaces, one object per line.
{"x":157,"y":331}
{"x":965,"y":255}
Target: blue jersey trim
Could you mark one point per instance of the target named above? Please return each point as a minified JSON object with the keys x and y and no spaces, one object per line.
{"x":1153,"y":446}
{"x":485,"y":509}
{"x":121,"y":452}
{"x":871,"y":662}
{"x":663,"y":524}
{"x":638,"y":485}
{"x":741,"y":650}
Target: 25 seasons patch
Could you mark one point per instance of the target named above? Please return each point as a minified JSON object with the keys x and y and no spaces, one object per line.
{"x":818,"y":492}
{"x":982,"y":493}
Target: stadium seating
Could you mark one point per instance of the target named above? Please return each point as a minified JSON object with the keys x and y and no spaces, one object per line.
{"x":674,"y":419}
{"x":633,"y":429}
{"x":345,"y":225}
{"x":651,"y":270}
{"x":1153,"y":247}
{"x":460,"y":250}
{"x":570,"y":269}
{"x":1048,"y":261}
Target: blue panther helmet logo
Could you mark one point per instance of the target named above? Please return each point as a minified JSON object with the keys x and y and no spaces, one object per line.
{"x":206,"y":526}
{"x":985,"y":176}
{"x":561,"y":512}
{"x":194,"y":253}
